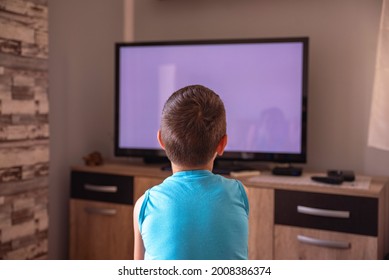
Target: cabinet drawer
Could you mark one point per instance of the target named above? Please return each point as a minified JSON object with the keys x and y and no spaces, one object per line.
{"x":100,"y":230}
{"x":295,"y":243}
{"x":341,"y":213}
{"x":102,"y":187}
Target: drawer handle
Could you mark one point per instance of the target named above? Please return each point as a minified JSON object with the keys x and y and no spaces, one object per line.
{"x":106,"y":189}
{"x":100,"y":211}
{"x":323,"y":212}
{"x":323,"y":243}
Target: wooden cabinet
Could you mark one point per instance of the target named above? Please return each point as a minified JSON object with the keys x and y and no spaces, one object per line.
{"x":101,"y":209}
{"x":296,"y":218}
{"x":325,"y":226}
{"x":289,"y":218}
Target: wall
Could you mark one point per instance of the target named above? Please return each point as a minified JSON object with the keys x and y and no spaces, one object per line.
{"x":81,"y":74}
{"x":24,"y":129}
{"x":343,"y":41}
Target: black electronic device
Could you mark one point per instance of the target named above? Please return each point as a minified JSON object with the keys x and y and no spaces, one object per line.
{"x":347,"y":175}
{"x":333,"y":180}
{"x":287,"y":171}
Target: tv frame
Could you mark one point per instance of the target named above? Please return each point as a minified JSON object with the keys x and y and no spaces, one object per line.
{"x":158,"y":155}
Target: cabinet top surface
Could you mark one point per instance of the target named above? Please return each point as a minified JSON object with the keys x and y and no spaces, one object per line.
{"x":126,"y":169}
{"x":363,"y":186}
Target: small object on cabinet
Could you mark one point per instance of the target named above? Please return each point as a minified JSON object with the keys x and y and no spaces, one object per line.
{"x":93,"y":159}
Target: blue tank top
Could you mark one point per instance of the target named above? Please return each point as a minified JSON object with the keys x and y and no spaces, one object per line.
{"x":195,"y":215}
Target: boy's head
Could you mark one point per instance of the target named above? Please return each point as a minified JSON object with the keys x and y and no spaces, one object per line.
{"x":193,"y":124}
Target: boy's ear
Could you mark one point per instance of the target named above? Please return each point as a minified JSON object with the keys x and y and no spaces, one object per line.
{"x":159,"y":137}
{"x":221,"y":146}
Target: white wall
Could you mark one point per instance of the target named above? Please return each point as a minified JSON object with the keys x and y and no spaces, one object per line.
{"x":81,"y":78}
{"x":343,"y":41}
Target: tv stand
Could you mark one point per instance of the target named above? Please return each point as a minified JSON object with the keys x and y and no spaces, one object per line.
{"x":277,"y":229}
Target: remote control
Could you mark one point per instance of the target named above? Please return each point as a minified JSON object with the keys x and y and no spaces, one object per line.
{"x":347,"y":175}
{"x":333,"y":180}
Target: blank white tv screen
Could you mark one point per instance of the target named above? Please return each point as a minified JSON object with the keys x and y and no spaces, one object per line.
{"x":261,"y":85}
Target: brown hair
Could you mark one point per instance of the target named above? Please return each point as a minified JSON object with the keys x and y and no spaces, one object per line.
{"x":192,"y":125}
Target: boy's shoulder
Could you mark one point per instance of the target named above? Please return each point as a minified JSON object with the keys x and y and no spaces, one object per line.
{"x":171,"y":188}
{"x":205,"y":178}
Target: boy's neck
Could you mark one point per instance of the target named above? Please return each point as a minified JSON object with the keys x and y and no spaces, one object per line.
{"x":178,"y":168}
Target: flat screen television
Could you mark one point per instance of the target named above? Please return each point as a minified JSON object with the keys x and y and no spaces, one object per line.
{"x":262,"y":82}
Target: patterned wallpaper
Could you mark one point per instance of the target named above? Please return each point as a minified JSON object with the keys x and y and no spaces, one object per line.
{"x":24,"y":129}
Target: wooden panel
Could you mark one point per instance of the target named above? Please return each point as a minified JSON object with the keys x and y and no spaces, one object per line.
{"x":142,"y":184}
{"x":286,"y":245}
{"x":100,"y":236}
{"x":261,"y":223}
{"x":383,"y":233}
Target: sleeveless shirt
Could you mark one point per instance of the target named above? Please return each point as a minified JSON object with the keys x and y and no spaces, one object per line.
{"x":195,"y":215}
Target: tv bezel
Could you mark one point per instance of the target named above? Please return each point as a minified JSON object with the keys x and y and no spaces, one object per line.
{"x":158,"y":155}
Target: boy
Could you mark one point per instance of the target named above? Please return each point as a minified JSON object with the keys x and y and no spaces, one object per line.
{"x":193,"y":214}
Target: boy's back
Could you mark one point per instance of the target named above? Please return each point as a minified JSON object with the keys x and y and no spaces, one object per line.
{"x":195,"y":215}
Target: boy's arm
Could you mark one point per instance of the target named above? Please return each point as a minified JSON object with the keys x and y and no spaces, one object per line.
{"x":139,"y":249}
